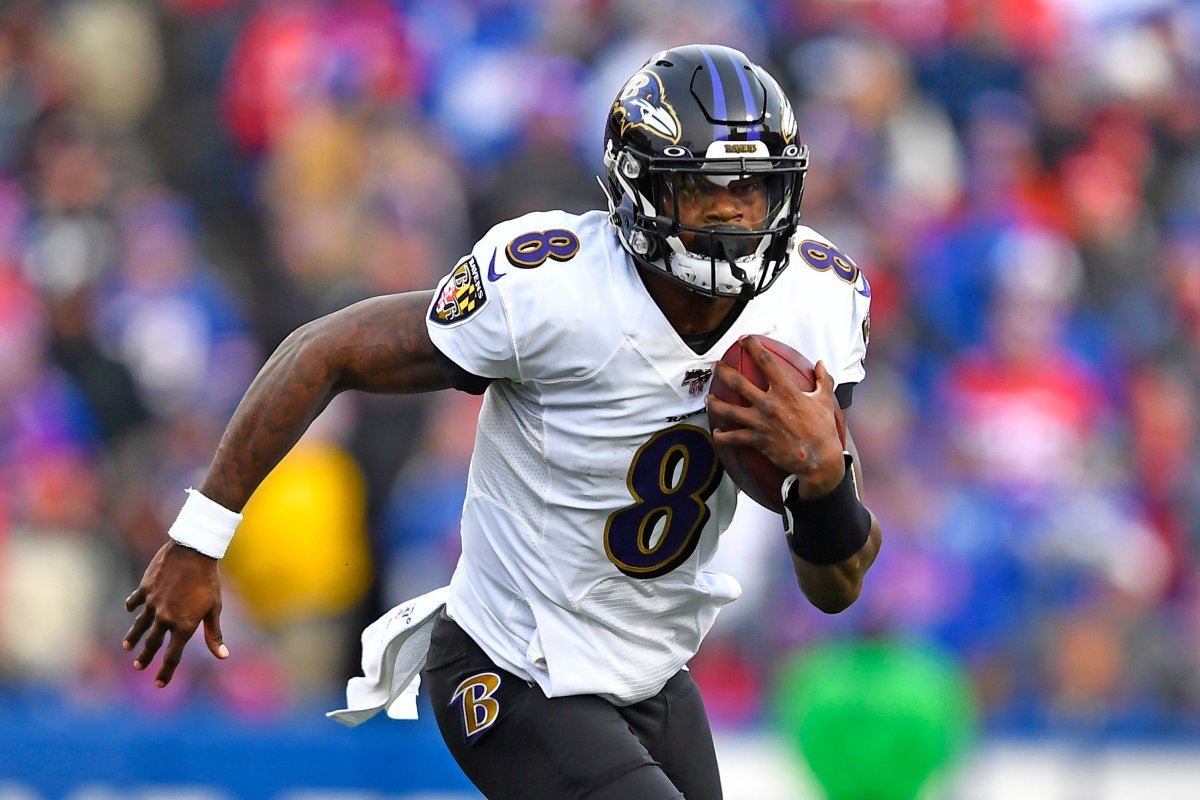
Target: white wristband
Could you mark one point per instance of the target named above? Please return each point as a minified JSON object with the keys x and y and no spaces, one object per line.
{"x":204,"y":525}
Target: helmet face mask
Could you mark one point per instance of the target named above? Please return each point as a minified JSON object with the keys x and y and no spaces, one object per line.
{"x":705,"y":173}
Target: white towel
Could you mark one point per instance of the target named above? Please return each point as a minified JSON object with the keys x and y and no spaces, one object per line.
{"x":394,"y":648}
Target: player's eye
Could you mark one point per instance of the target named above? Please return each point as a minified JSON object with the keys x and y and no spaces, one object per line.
{"x":693,"y":186}
{"x":748,"y":187}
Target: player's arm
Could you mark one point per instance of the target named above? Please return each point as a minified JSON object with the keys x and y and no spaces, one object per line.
{"x":832,"y":587}
{"x":377,"y":345}
{"x":834,"y":538}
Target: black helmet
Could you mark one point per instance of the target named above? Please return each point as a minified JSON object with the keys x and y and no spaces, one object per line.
{"x":704,"y":113}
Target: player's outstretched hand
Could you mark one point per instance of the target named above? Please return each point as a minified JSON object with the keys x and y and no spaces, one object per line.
{"x":180,"y":590}
{"x":793,"y":428}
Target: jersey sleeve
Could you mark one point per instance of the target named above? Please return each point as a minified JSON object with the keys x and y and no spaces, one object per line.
{"x":467,"y":319}
{"x":517,"y":308}
{"x":854,"y":368}
{"x":838,"y":302}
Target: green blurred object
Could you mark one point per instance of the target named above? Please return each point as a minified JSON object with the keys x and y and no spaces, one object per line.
{"x":875,"y":720}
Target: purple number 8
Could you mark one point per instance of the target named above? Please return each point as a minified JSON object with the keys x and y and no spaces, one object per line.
{"x":532,"y":249}
{"x":822,"y":257}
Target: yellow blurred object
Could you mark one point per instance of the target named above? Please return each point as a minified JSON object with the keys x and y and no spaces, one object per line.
{"x":301,"y":550}
{"x":114,"y":51}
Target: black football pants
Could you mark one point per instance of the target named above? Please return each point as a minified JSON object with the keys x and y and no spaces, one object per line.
{"x":514,"y":743}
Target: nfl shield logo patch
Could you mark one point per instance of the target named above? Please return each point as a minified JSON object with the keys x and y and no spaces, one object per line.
{"x":460,"y":295}
{"x":695,"y":380}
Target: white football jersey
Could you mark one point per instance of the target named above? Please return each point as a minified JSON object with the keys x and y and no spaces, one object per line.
{"x":595,"y":498}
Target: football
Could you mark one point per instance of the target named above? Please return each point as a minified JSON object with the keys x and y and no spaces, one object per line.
{"x":753,"y":473}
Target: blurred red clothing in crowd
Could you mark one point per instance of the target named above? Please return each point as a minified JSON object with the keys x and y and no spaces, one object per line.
{"x":290,"y":55}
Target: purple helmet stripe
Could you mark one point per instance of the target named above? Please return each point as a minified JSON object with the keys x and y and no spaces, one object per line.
{"x":747,"y":96}
{"x":718,"y":94}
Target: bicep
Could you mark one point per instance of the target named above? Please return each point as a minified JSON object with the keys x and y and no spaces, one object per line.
{"x":382,"y":345}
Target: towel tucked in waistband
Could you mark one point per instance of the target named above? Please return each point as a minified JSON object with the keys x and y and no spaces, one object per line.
{"x":394,"y":648}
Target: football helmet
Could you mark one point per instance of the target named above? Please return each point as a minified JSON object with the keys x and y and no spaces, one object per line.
{"x":694,"y":123}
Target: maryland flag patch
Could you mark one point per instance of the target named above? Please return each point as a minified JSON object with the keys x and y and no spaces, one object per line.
{"x":460,"y":294}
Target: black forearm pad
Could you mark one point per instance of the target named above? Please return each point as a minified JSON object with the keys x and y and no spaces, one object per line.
{"x":828,"y":529}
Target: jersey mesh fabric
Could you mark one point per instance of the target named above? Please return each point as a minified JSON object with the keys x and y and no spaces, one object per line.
{"x":510,"y":442}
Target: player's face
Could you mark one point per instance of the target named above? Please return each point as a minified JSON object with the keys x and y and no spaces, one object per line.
{"x":719,"y":201}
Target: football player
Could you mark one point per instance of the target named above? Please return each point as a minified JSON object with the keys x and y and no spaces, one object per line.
{"x":556,"y":665}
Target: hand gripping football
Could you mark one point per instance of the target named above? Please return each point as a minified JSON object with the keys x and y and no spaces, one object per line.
{"x":753,"y":472}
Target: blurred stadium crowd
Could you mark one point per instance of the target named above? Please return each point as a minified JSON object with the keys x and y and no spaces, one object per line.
{"x":184,"y":182}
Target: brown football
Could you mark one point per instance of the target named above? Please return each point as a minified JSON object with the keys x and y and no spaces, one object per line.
{"x":753,"y":473}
